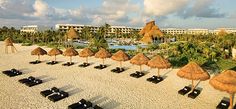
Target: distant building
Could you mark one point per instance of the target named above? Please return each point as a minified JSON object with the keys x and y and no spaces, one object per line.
{"x":198,"y":31}
{"x":227,"y":30}
{"x":78,"y":28}
{"x":33,"y":28}
{"x":174,"y":31}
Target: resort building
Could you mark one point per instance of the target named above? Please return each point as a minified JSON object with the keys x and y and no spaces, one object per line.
{"x":227,"y":30}
{"x":78,"y":28}
{"x":174,"y":31}
{"x":198,"y":31}
{"x":33,"y":28}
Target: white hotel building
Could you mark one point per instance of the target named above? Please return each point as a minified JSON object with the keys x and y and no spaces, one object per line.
{"x":33,"y":28}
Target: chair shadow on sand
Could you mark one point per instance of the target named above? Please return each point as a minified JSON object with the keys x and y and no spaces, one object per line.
{"x":111,"y":104}
{"x":26,"y":70}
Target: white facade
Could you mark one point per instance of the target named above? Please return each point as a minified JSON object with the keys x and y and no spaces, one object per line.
{"x":198,"y":31}
{"x":33,"y":28}
{"x":113,"y":29}
{"x":227,"y":30}
{"x":174,"y":31}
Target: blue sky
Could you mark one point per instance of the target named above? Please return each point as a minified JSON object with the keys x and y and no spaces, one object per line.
{"x":135,"y":13}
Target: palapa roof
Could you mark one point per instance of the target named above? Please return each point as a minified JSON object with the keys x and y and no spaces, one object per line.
{"x":102,"y":53}
{"x":120,"y":56}
{"x":159,"y":62}
{"x":86,"y":52}
{"x":225,"y":81}
{"x":193,"y":71}
{"x":38,"y":51}
{"x":70,"y":52}
{"x":139,"y":59}
{"x":54,"y":51}
{"x":150,"y":31}
{"x":8,"y":41}
{"x":71,"y":34}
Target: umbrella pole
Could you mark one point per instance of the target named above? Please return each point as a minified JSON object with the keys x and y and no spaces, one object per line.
{"x":6,"y":49}
{"x":140,"y":68}
{"x":39,"y":57}
{"x":192,"y":85}
{"x":103,"y":61}
{"x":120,"y":64}
{"x":231,"y":101}
{"x":158,"y":72}
{"x":54,"y":57}
{"x":70,"y":59}
{"x":86,"y":59}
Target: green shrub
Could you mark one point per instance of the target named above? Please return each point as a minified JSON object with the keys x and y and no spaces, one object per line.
{"x":26,"y":44}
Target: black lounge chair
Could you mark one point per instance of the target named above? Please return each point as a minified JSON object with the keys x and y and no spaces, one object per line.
{"x":194,"y":93}
{"x":26,"y":80}
{"x":118,"y":70}
{"x":35,"y":62}
{"x":87,"y":105}
{"x":34,"y":82}
{"x":77,"y":105}
{"x":152,"y":78}
{"x":49,"y":91}
{"x":137,"y":74}
{"x":68,"y":64}
{"x":52,"y":63}
{"x":84,"y":64}
{"x":185,"y":90}
{"x":100,"y":66}
{"x":157,"y":80}
{"x":223,"y":105}
{"x":11,"y":73}
{"x":58,"y":96}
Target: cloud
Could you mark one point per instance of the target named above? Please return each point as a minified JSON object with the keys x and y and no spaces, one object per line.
{"x":201,"y":9}
{"x":163,"y":7}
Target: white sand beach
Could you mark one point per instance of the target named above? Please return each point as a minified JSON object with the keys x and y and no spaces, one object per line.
{"x":102,"y":87}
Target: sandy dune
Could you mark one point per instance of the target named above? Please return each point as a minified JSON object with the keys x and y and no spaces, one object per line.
{"x":108,"y":90}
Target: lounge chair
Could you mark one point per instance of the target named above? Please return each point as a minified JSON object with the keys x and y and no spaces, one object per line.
{"x":35,"y":62}
{"x":152,"y":78}
{"x":68,"y":64}
{"x":58,"y":96}
{"x":77,"y":105}
{"x":49,"y":91}
{"x":26,"y":80}
{"x":52,"y":63}
{"x":34,"y":82}
{"x":194,"y":93}
{"x":11,"y":73}
{"x":157,"y":80}
{"x":84,"y":64}
{"x":100,"y":66}
{"x":118,"y":70}
{"x":223,"y":105}
{"x":137,"y":74}
{"x":185,"y":90}
{"x":87,"y":105}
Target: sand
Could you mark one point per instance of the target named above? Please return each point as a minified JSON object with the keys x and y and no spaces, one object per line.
{"x":101,"y":87}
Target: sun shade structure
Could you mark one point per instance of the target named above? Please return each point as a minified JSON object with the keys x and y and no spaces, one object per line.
{"x":103,"y":54}
{"x":193,"y":71}
{"x":120,"y":56}
{"x":70,"y":52}
{"x":150,"y":31}
{"x":54,"y":52}
{"x":38,"y":51}
{"x":139,"y":59}
{"x":225,"y":81}
{"x":8,"y":42}
{"x":72,"y":34}
{"x":159,"y":63}
{"x":85,"y":53}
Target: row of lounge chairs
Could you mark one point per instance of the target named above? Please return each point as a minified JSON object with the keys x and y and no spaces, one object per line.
{"x":30,"y":81}
{"x":83,"y":104}
{"x":194,"y":93}
{"x":54,"y":94}
{"x":11,"y":73}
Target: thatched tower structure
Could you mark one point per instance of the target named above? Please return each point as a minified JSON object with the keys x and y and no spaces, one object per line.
{"x":150,"y":32}
{"x":9,"y":42}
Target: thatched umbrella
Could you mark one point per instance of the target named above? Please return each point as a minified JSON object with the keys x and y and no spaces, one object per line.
{"x":8,"y":42}
{"x":70,"y":52}
{"x":71,"y":34}
{"x":139,"y":59}
{"x":54,"y":52}
{"x":86,"y":52}
{"x":225,"y":81}
{"x":120,"y":56}
{"x":38,"y":51}
{"x":159,"y":63}
{"x":193,"y":71}
{"x":103,"y":54}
